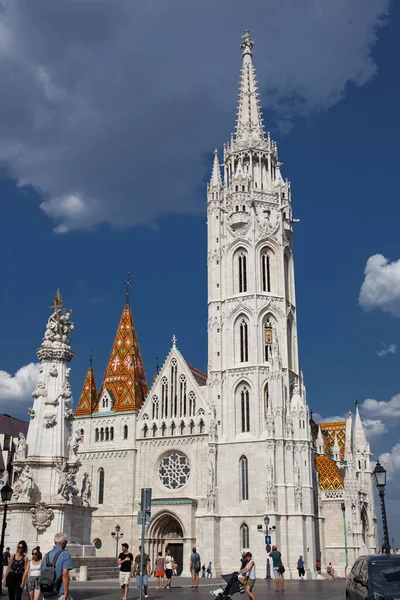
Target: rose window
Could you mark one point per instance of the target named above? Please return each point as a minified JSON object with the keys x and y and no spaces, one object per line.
{"x":174,"y":470}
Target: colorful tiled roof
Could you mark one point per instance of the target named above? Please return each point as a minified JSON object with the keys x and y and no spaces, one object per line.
{"x":329,"y":430}
{"x":328,"y":473}
{"x":125,"y":376}
{"x":200,"y":376}
{"x":88,"y":399}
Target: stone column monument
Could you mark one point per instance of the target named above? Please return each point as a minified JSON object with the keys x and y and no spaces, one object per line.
{"x":51,"y":494}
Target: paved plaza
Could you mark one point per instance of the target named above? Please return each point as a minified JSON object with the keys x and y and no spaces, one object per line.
{"x":309,"y":590}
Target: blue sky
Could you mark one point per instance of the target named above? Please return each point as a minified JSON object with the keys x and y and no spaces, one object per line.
{"x":106,"y":150}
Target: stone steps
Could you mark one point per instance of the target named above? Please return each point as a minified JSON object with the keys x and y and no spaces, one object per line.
{"x":98,"y":567}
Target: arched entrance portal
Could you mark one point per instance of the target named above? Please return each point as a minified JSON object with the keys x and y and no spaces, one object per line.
{"x":166,"y":532}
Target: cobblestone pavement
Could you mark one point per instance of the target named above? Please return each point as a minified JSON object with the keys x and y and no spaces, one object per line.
{"x":309,"y":590}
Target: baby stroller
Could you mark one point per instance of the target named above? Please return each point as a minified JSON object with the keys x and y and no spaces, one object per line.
{"x":234,"y":585}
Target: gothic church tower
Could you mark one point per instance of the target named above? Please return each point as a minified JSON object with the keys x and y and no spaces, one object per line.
{"x":255,"y":386}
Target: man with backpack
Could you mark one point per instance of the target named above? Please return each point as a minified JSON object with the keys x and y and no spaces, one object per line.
{"x":195,"y":567}
{"x":56,"y":565}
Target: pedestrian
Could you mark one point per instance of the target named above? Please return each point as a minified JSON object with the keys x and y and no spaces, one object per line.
{"x":243,"y":560}
{"x":169,"y":567}
{"x":6,"y":556}
{"x":125,"y":560}
{"x":15,"y":571}
{"x":194,"y":567}
{"x":160,"y":570}
{"x":250,"y":571}
{"x":300,"y":567}
{"x":32,"y":574}
{"x":331,"y":572}
{"x":278,"y":569}
{"x":318,"y":566}
{"x":209,"y":570}
{"x":203,"y":571}
{"x":63,"y":564}
{"x":142,"y":578}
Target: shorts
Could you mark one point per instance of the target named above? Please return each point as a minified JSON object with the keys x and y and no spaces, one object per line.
{"x":277,"y":574}
{"x":250,"y":583}
{"x":195,"y":572}
{"x":124,"y":578}
{"x":168,"y":573}
{"x":33,"y":584}
{"x":160,"y":573}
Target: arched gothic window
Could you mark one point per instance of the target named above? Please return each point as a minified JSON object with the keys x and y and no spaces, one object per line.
{"x":145,"y":431}
{"x":101,"y":486}
{"x":107,"y":434}
{"x":154,"y":408}
{"x":267,"y":340}
{"x":102,"y":434}
{"x":266,"y":400}
{"x":96,"y":435}
{"x":266,"y":260}
{"x":244,"y":478}
{"x":201,"y":426}
{"x":245,"y":409}
{"x":242,"y":272}
{"x":243,"y":341}
{"x":154,"y":430}
{"x":174,"y":388}
{"x":125,"y":432}
{"x":289,"y":344}
{"x":192,"y":404}
{"x":164,"y":398}
{"x":182,"y":396}
{"x":111,"y":433}
{"x":244,"y":536}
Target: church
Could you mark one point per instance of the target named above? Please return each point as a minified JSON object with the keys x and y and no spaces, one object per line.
{"x":233,"y":454}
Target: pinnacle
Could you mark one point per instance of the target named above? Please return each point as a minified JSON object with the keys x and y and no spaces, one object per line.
{"x":216,"y":181}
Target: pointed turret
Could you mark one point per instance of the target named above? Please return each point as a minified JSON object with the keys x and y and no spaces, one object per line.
{"x":320,"y":442}
{"x":348,"y":446}
{"x":215,"y":181}
{"x":88,"y":399}
{"x":249,"y":123}
{"x":336,"y":449}
{"x":125,"y":379}
{"x":359,"y":439}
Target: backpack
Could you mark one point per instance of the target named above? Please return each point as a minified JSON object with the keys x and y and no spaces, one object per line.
{"x":196,"y":562}
{"x":49,"y":582}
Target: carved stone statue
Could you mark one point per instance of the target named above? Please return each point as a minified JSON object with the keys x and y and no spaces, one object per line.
{"x":73,"y":445}
{"x":213,"y":431}
{"x":67,"y":487}
{"x":31,"y":412}
{"x":40,"y":390}
{"x":20,"y":452}
{"x":24,"y":486}
{"x":50,"y":419}
{"x":86,"y":490}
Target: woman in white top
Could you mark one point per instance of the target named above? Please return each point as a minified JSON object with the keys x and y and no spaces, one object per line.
{"x":250,"y":570}
{"x":169,"y":568}
{"x":32,"y":574}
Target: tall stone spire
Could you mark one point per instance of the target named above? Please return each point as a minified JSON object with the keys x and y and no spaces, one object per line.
{"x":88,"y":398}
{"x":249,"y":126}
{"x":125,"y":379}
{"x":215,"y":181}
{"x":359,"y":438}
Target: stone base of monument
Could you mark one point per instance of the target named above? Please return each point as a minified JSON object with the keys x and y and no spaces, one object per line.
{"x":38,"y":523}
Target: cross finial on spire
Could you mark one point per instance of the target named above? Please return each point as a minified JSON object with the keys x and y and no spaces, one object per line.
{"x":91,"y":358}
{"x":174,"y":340}
{"x":58,"y":304}
{"x":356,"y":402}
{"x":128,"y":282}
{"x":247,"y":43}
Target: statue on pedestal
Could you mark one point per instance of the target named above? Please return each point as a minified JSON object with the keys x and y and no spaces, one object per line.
{"x":86,"y":491}
{"x":24,"y":486}
{"x":73,"y":445}
{"x":67,"y":487}
{"x":20,"y":452}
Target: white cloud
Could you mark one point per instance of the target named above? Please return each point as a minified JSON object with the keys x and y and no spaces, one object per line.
{"x":391,"y":460}
{"x":109,"y":107}
{"x":18,"y":387}
{"x":389,"y":411}
{"x":384,"y":350}
{"x":381,"y":286}
{"x":374,"y":428}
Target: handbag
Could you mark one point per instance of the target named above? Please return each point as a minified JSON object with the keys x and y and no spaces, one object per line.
{"x":281,"y":569}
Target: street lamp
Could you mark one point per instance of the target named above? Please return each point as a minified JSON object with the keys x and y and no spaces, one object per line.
{"x":6,"y":494}
{"x":117,"y":535}
{"x":379,"y":474}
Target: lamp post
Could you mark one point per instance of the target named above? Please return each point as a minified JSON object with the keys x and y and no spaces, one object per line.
{"x":268,"y":530}
{"x":117,"y":535}
{"x":6,"y":494}
{"x":379,"y":474}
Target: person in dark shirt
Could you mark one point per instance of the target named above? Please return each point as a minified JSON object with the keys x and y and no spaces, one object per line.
{"x":125,"y":560}
{"x":142,"y":578}
{"x":6,"y":556}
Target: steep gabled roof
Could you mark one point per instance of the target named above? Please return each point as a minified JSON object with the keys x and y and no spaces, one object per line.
{"x":328,"y":473}
{"x":124,"y":375}
{"x":200,"y":376}
{"x":88,"y":398}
